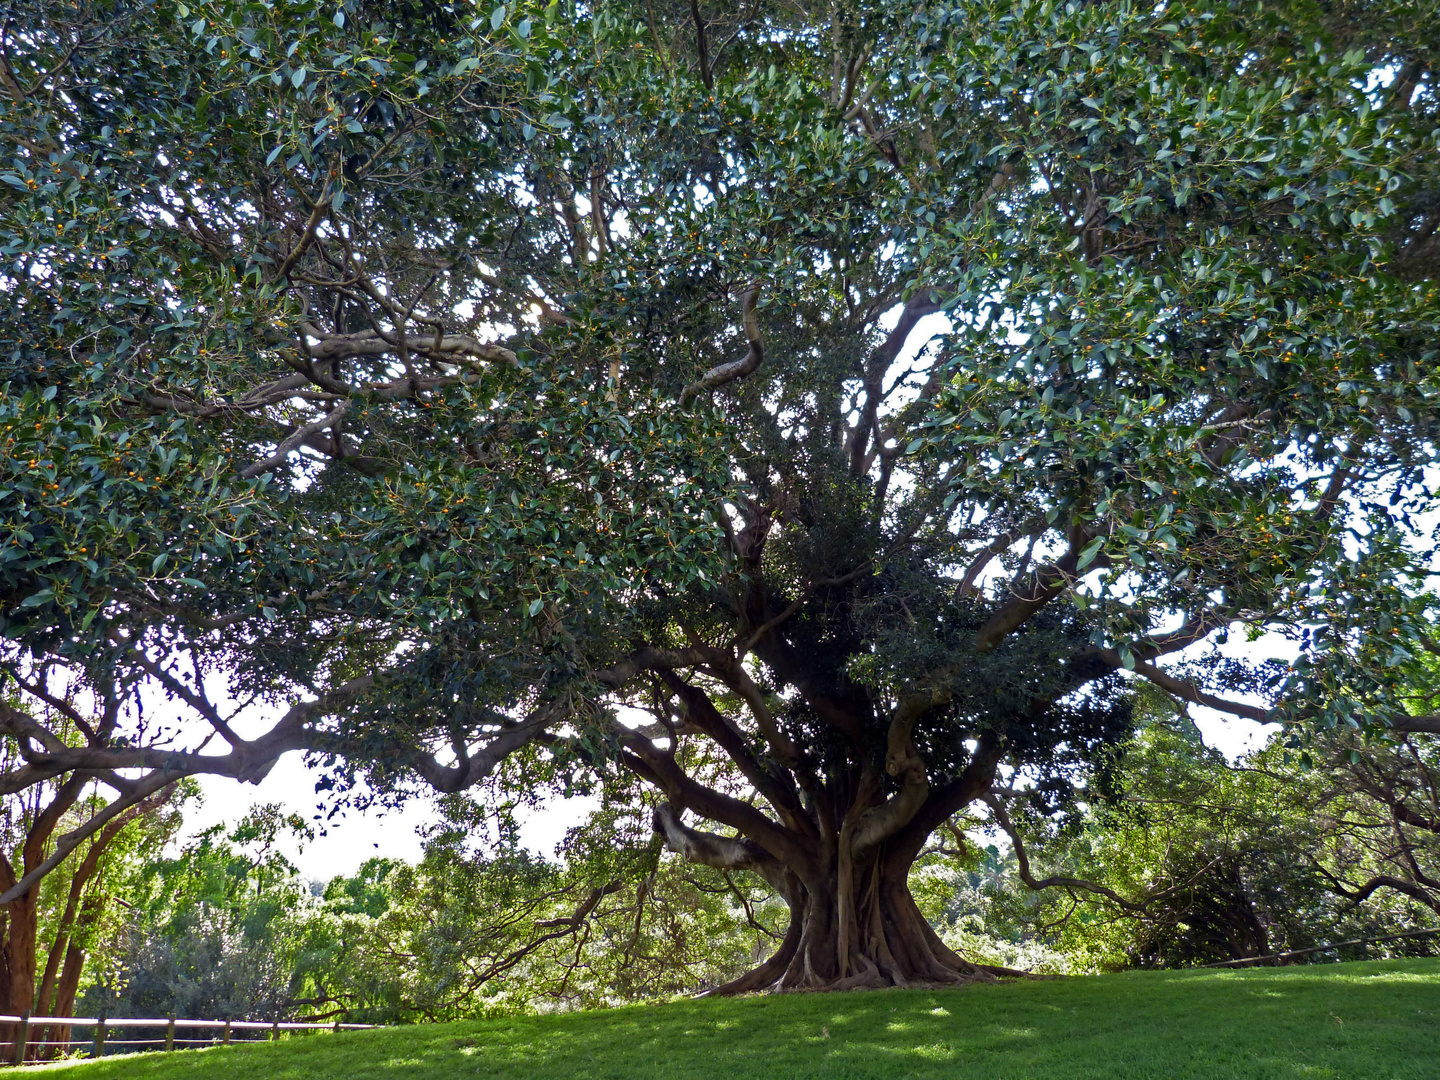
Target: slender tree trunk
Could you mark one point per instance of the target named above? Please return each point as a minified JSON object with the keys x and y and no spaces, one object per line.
{"x":57,"y":994}
{"x":65,"y":997}
{"x":44,"y":998}
{"x":19,"y":988}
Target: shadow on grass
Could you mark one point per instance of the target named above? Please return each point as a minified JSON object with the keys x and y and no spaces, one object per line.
{"x":1376,"y":1020}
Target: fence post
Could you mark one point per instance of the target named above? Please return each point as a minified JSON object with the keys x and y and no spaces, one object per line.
{"x":337,"y":1025}
{"x":275,"y":1032}
{"x":170,"y":1033}
{"x":226,"y":1037}
{"x":22,"y":1037}
{"x":100,"y":1037}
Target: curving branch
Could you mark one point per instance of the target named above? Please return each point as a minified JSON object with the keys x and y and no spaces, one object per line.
{"x":1188,"y":691}
{"x":773,"y":785}
{"x":472,"y":765}
{"x":1045,"y":584}
{"x":71,"y":840}
{"x":248,"y":760}
{"x":1060,"y":881}
{"x":662,"y":771}
{"x":902,"y":763}
{"x":1022,"y":858}
{"x":736,"y":369}
{"x":720,"y":852}
{"x":292,"y":442}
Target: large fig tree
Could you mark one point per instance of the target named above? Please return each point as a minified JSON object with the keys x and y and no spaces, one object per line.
{"x":813,"y":414}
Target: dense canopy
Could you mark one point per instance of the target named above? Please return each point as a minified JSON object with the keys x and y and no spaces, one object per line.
{"x":813,"y":414}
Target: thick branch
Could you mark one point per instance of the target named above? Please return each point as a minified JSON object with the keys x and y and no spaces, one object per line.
{"x":721,"y":852}
{"x":684,"y":792}
{"x":736,"y":369}
{"x":1416,"y":724}
{"x":247,"y":760}
{"x":474,"y":766}
{"x":708,"y":719}
{"x":1045,"y":584}
{"x":1190,"y":692}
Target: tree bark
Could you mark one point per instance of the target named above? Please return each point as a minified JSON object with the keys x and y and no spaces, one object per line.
{"x":65,"y":998}
{"x":22,"y":928}
{"x":54,"y":992}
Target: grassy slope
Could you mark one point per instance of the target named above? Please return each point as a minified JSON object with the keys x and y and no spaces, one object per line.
{"x":1371,"y":1021}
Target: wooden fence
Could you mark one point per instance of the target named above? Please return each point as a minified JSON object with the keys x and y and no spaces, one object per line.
{"x":1246,"y":960}
{"x":33,"y":1036}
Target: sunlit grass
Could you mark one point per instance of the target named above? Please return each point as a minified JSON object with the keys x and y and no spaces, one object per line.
{"x":1371,"y":1021}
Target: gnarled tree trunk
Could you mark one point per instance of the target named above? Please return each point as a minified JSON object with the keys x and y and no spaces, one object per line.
{"x":853,"y":922}
{"x":866,"y":931}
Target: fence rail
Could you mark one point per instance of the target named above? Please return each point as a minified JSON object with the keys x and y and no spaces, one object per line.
{"x":17,"y":1048}
{"x":1321,"y":948}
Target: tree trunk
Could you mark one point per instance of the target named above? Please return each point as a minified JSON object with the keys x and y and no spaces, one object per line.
{"x":852,"y":924}
{"x":841,"y":861}
{"x":65,"y":998}
{"x":19,"y":988}
{"x":870,"y":933}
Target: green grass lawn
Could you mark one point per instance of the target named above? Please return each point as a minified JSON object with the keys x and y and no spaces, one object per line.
{"x":1369,"y":1021}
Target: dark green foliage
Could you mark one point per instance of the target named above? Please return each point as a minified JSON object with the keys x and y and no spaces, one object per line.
{"x":454,"y":389}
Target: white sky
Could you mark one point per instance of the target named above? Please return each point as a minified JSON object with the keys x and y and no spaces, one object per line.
{"x":357,"y":836}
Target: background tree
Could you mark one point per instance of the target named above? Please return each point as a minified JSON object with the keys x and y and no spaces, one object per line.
{"x":468,"y":932}
{"x":227,"y":927}
{"x":49,"y":932}
{"x":1174,"y":856}
{"x":705,"y":473}
{"x":216,"y":930}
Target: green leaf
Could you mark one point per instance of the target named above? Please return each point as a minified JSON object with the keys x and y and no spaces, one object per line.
{"x":1089,"y":551}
